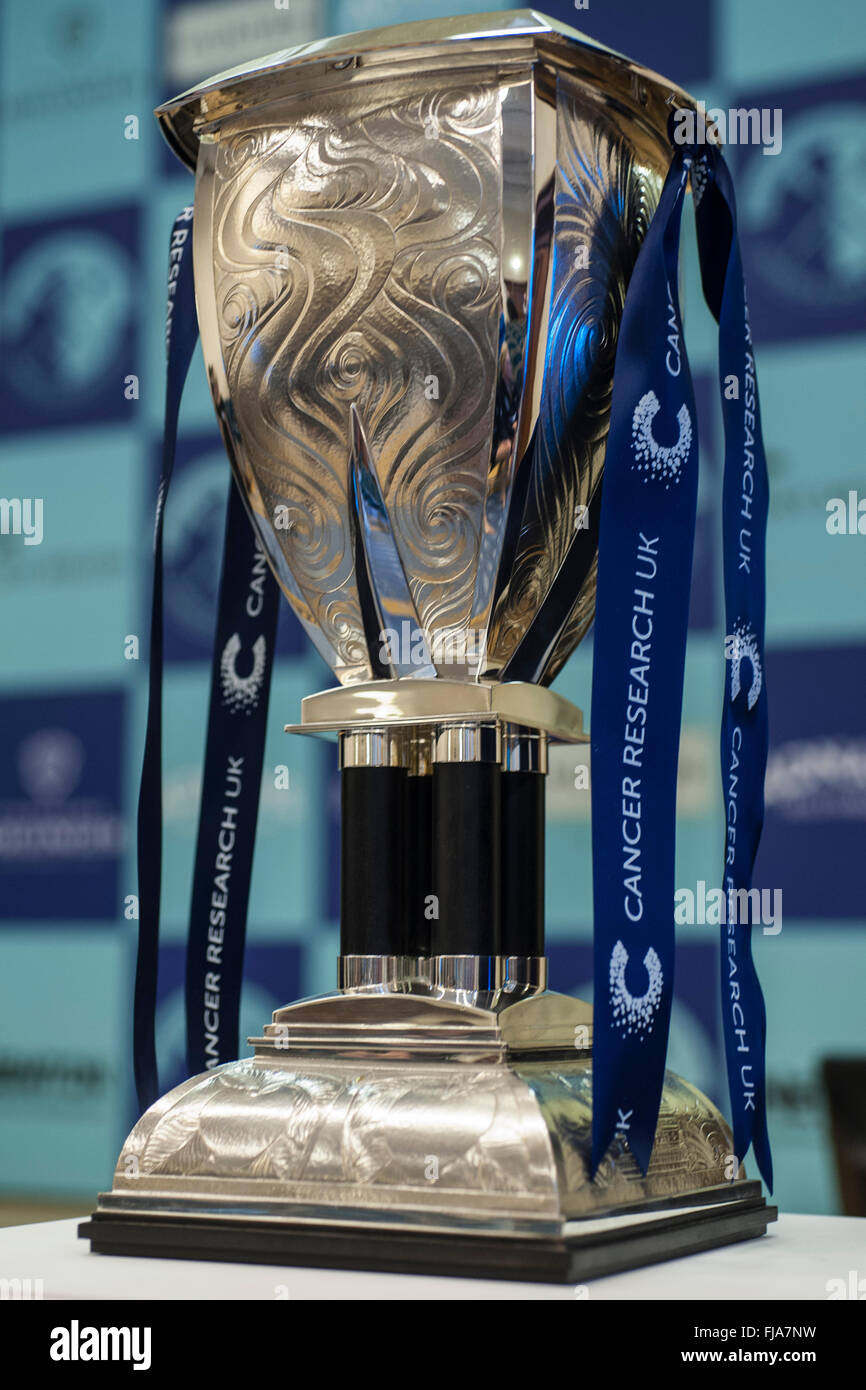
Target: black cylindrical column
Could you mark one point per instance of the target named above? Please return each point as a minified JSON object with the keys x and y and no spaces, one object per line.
{"x":373,"y":810}
{"x":418,"y":844}
{"x":466,"y":841}
{"x":523,"y":783}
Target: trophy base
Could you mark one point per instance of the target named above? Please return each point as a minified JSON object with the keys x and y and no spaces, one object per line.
{"x":421,"y":1131}
{"x":587,"y":1249}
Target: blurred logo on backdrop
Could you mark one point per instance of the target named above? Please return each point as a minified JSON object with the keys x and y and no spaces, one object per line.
{"x":201,"y":37}
{"x":77,"y":62}
{"x":207,"y":36}
{"x":33,"y":1077}
{"x":50,"y":763}
{"x":569,"y":778}
{"x":812,"y":844}
{"x":811,"y":779}
{"x":803,"y":214}
{"x":62,"y":829}
{"x":193,"y":541}
{"x":272,"y":978}
{"x":67,"y":320}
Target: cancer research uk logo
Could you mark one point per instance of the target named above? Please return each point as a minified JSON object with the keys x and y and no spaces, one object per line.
{"x":659,"y":462}
{"x":62,"y":831}
{"x":743,"y":651}
{"x":241,"y":693}
{"x":695,"y":1036}
{"x":67,"y":319}
{"x":635,"y":1014}
{"x":801,"y":216}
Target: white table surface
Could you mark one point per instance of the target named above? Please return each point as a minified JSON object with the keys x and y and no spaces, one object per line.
{"x":794,"y":1260}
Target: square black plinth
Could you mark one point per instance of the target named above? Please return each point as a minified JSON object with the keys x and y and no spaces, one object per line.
{"x":587,"y":1250}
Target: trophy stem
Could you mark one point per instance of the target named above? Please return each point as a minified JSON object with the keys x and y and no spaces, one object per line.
{"x":466,"y":840}
{"x":420,"y":889}
{"x":372,"y":884}
{"x":524,"y":766}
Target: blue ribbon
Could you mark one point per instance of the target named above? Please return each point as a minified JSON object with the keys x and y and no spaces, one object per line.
{"x":646,"y":537}
{"x":744,"y":735}
{"x":237,"y":726}
{"x":181,"y":332}
{"x":646,"y":540}
{"x":240,"y":685}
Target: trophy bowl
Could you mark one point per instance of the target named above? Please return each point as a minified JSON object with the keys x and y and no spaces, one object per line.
{"x":412,"y":248}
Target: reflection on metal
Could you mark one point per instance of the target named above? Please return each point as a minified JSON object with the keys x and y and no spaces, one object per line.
{"x":473,"y":980}
{"x":423,"y":703}
{"x":524,"y":750}
{"x":397,"y":628}
{"x":383,"y":747}
{"x":412,"y":249}
{"x":383,"y":973}
{"x":526,"y":975}
{"x":472,"y":742}
{"x":349,"y":1097}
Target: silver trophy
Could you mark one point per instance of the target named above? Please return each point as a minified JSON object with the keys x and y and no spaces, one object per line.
{"x":412,"y":249}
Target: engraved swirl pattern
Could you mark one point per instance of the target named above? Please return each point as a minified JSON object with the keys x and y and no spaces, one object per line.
{"x":356,"y":261}
{"x":343,"y":1125}
{"x":604,"y":201}
{"x":339,"y":1131}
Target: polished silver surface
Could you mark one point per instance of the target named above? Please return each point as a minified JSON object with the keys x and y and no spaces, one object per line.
{"x":490,"y":1138}
{"x":523,"y":750}
{"x":472,"y":979}
{"x":603,"y":194}
{"x":426,"y":704}
{"x":433,"y":1021}
{"x":383,"y":747}
{"x":512,"y":37}
{"x":525,"y":974}
{"x":419,"y":752}
{"x":382,"y":972}
{"x":412,"y":249}
{"x":388,"y":302}
{"x":468,"y":743}
{"x":394,"y":635}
